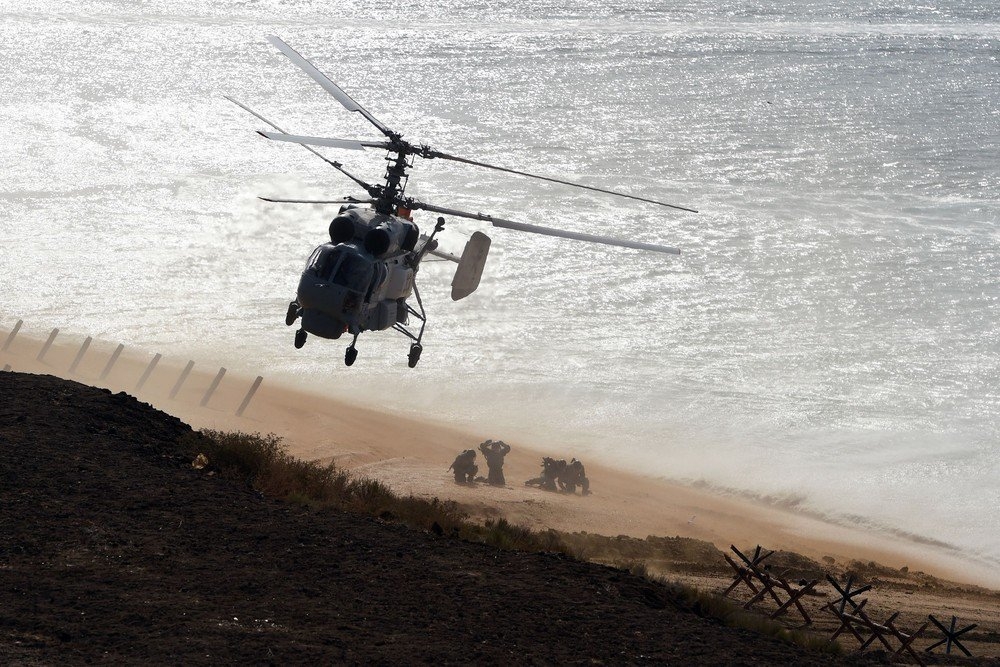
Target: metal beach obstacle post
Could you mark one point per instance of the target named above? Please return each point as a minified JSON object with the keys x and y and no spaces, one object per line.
{"x":180,"y":380}
{"x":148,"y":371}
{"x":246,"y":401}
{"x":79,"y":355}
{"x":48,"y":344}
{"x":111,"y":362}
{"x":12,"y":335}
{"x":212,"y":387}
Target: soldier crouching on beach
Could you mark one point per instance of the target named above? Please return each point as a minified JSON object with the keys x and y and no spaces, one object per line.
{"x":465,"y":467}
{"x":494,"y":453}
{"x":551,"y":472}
{"x":573,"y":476}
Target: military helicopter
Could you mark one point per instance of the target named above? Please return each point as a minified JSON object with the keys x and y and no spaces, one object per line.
{"x":362,"y":278}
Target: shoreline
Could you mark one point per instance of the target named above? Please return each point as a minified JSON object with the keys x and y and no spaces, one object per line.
{"x":411,"y":455}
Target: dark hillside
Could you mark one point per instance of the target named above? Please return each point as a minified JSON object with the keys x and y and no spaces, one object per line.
{"x":113,"y":549}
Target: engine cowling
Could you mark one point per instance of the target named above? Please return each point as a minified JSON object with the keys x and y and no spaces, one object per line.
{"x":342,"y":229}
{"x":391,"y":237}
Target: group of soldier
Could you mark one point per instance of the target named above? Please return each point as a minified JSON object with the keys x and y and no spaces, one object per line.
{"x":465,"y":467}
{"x":557,"y":475}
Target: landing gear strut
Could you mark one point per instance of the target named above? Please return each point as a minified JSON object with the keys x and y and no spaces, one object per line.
{"x":415,"y":347}
{"x":414,"y":356}
{"x":352,"y":352}
{"x":300,"y":338}
{"x":292,"y":314}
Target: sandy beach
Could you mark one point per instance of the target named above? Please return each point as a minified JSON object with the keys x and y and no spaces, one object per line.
{"x":412,"y":456}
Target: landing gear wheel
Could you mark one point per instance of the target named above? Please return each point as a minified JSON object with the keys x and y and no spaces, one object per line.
{"x":415,"y":351}
{"x":292,"y":314}
{"x":300,"y":338}
{"x":350,"y":355}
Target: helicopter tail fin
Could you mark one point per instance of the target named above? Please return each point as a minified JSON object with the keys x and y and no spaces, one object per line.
{"x":470,"y":267}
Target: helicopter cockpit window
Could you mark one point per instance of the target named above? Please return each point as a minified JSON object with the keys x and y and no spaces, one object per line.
{"x":322,"y":261}
{"x":311,"y":262}
{"x":353,"y":272}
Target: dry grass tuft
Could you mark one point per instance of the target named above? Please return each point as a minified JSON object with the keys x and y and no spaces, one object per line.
{"x":505,"y":535}
{"x":263,"y":463}
{"x":732,"y":614}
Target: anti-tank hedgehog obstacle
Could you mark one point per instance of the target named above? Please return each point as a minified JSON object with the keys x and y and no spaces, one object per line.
{"x":855,"y":620}
{"x":756,"y":576}
{"x":951,"y":636}
{"x":852,"y":614}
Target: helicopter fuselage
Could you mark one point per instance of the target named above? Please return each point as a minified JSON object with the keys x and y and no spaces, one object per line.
{"x":360,"y":280}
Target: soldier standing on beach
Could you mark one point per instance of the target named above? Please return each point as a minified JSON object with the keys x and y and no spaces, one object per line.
{"x":495,"y":453}
{"x":465,"y":467}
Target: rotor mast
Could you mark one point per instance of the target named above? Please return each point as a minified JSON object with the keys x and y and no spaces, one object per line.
{"x":395,"y":177}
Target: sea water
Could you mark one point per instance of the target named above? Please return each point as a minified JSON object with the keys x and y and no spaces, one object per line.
{"x":827,"y":340}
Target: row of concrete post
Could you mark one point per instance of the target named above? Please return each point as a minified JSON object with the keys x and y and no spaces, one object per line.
{"x":145,"y":375}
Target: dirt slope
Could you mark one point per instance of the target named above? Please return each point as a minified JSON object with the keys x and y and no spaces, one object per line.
{"x":113,"y":549}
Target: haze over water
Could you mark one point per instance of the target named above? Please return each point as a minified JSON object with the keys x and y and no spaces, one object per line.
{"x":828,"y":337}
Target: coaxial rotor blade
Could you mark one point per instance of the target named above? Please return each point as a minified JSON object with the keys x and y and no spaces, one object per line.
{"x":592,"y":238}
{"x":330,"y":142}
{"x":327,"y":84}
{"x":547,"y":231}
{"x":429,"y":153}
{"x":336,"y":165}
{"x":345,"y":200}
